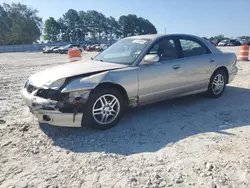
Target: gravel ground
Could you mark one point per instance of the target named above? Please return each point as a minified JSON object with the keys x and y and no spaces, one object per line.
{"x":187,"y":142}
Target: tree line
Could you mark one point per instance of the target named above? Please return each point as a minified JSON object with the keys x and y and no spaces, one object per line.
{"x":76,"y":25}
{"x":20,"y":24}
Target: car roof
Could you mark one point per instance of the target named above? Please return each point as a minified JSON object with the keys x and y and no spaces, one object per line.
{"x":156,"y":36}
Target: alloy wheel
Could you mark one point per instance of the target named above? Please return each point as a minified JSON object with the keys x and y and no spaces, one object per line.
{"x":106,"y":109}
{"x":218,"y":84}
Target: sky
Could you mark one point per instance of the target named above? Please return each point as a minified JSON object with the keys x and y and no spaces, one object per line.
{"x":199,"y":17}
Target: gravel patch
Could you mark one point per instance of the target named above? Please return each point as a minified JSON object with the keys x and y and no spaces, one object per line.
{"x":187,"y":142}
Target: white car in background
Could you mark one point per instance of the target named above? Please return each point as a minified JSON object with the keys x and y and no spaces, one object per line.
{"x":223,"y":43}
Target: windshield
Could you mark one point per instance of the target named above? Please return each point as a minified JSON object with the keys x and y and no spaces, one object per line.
{"x":124,"y":51}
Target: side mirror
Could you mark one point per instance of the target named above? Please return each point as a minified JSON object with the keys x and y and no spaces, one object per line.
{"x":151,"y":58}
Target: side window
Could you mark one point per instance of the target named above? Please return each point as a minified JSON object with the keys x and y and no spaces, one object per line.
{"x":166,"y":49}
{"x":192,"y":48}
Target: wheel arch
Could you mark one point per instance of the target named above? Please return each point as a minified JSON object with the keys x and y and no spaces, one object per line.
{"x":120,"y":88}
{"x":223,"y":68}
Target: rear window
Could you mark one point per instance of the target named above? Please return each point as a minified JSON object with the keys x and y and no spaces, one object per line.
{"x":192,"y":48}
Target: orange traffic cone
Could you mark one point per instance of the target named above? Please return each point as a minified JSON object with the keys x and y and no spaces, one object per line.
{"x":244,"y":53}
{"x":74,"y":54}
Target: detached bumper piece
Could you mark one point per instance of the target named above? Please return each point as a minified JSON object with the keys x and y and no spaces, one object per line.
{"x":47,"y":112}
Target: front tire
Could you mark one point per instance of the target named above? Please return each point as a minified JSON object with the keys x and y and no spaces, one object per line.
{"x":217,"y":84}
{"x":104,"y":109}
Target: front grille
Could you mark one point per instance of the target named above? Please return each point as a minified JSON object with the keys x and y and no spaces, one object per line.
{"x":30,"y":88}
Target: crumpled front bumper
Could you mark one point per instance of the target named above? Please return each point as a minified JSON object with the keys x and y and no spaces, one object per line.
{"x":37,"y":106}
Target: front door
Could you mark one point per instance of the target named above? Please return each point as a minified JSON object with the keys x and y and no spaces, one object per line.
{"x":161,"y":79}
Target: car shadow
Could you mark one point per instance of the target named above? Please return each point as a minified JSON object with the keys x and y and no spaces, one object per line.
{"x":153,"y":127}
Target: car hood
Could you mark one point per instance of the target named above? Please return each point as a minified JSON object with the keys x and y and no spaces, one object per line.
{"x":71,"y":69}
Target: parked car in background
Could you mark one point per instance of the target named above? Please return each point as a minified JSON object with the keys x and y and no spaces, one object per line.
{"x":245,"y":42}
{"x":88,"y":48}
{"x":50,"y":49}
{"x":91,"y":48}
{"x":57,"y":50}
{"x":233,"y":42}
{"x":102,"y":47}
{"x":84,"y":46}
{"x":223,"y":43}
{"x":134,"y":71}
{"x":97,"y":47}
{"x":65,"y":49}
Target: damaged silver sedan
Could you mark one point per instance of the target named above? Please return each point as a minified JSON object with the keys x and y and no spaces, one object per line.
{"x":132,"y":72}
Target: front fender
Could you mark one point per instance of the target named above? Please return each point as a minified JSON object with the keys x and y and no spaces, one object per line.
{"x":86,"y":83}
{"x":126,"y":77}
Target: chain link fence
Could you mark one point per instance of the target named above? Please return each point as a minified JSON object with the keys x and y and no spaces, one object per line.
{"x":28,"y":47}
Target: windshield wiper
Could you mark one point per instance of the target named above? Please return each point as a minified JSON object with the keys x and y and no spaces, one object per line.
{"x":96,"y":59}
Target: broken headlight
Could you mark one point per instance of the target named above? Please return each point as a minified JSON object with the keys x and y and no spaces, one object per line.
{"x":78,"y":96}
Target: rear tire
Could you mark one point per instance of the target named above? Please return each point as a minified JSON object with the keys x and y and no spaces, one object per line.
{"x":104,"y":109}
{"x":217,"y":84}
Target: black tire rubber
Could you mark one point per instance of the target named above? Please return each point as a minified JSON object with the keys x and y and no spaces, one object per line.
{"x":88,"y":119}
{"x":209,"y":92}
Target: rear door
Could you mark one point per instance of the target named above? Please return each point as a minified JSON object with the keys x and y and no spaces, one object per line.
{"x":197,"y":63}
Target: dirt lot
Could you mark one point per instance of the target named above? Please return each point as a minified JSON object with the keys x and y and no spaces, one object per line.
{"x":187,"y":142}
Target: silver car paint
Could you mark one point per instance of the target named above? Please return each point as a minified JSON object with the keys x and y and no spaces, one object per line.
{"x":70,"y":69}
{"x":143,"y":83}
{"x":126,"y":77}
{"x":173,"y":77}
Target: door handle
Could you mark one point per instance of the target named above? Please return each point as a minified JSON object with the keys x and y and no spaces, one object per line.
{"x":175,"y":67}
